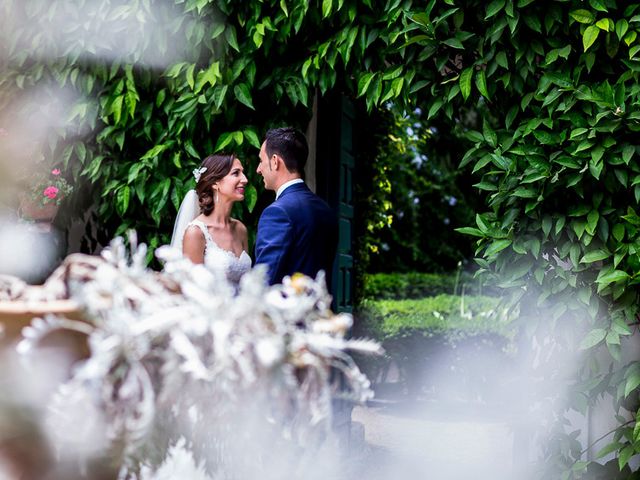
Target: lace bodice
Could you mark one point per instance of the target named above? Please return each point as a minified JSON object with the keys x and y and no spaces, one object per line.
{"x":219,"y":259}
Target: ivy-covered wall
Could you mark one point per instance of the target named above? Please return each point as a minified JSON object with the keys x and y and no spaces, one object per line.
{"x":546,"y":94}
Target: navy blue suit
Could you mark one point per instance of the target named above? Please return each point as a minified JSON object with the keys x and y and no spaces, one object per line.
{"x":297,"y":233}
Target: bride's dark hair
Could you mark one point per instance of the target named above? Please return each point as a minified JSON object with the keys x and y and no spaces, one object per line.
{"x":218,"y":167}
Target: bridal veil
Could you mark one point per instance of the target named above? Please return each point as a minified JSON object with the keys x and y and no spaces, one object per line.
{"x":189,"y":210}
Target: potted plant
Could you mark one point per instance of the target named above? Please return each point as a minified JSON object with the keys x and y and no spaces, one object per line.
{"x":43,"y":199}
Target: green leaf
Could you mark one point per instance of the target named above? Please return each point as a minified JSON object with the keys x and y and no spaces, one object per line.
{"x":633,"y":50}
{"x":307,"y":64}
{"x":189,"y":75}
{"x":364,"y":82}
{"x":470,"y":231}
{"x":230,"y":36}
{"x":217,"y":30}
{"x":523,"y":192}
{"x":551,"y":56}
{"x":224,"y":140}
{"x":603,"y":24}
{"x":437,"y":104}
{"x":454,"y":42}
{"x":155,"y":151}
{"x":595,"y":256}
{"x":589,"y":36}
{"x":621,"y":28}
{"x":497,"y":246}
{"x":593,"y":338}
{"x":396,"y":86}
{"x":489,"y":187}
{"x":174,"y":71}
{"x":629,"y":38}
{"x":489,"y":134}
{"x":592,"y":221}
{"x":133,"y":171}
{"x":160,"y":97}
{"x":501,"y":59}
{"x":546,"y":225}
{"x":292,"y":92}
{"x":595,"y":168}
{"x":283,"y":6}
{"x":576,"y":132}
{"x":252,"y":137}
{"x":535,"y":177}
{"x":583,"y":16}
{"x":418,"y":86}
{"x":633,"y":381}
{"x":605,"y":278}
{"x":627,"y":153}
{"x":482,"y":223}
{"x":625,"y":454}
{"x":218,"y":95}
{"x":481,"y":83}
{"x":116,"y":108}
{"x":122,"y":200}
{"x":494,"y":7}
{"x":584,"y":295}
{"x":578,"y":227}
{"x":243,"y":95}
{"x":251,"y":197}
{"x":545,"y":138}
{"x":465,"y":82}
{"x":511,"y":116}
{"x":598,"y":5}
{"x":176,"y":160}
{"x":618,"y":232}
{"x":622,"y":176}
{"x":327,"y":6}
{"x":188,"y":146}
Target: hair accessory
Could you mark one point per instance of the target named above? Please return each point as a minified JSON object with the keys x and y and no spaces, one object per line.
{"x":197,"y":173}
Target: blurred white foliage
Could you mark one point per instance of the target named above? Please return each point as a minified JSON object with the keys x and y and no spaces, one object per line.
{"x":179,"y":463}
{"x":176,"y":354}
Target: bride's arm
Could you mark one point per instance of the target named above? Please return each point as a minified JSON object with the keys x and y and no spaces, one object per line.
{"x":193,"y":244}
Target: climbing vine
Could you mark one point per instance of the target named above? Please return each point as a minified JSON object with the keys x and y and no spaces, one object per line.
{"x":546,"y":93}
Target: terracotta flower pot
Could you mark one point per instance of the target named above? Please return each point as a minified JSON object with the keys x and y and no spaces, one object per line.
{"x":30,"y":210}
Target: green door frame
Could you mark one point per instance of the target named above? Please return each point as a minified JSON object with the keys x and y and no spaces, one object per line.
{"x":335,"y":154}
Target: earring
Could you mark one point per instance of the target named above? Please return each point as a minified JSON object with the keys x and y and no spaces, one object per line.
{"x":215,"y":200}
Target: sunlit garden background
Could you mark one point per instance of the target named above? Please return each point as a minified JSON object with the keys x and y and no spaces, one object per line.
{"x":492,"y":244}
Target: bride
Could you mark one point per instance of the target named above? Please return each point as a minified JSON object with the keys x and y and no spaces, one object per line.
{"x":204,"y":229}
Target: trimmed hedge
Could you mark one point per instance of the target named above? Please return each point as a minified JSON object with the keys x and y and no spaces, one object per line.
{"x":418,"y":285}
{"x":447,"y":346}
{"x":453,"y":316}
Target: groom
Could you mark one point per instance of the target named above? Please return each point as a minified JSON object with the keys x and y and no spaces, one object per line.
{"x":298,"y":232}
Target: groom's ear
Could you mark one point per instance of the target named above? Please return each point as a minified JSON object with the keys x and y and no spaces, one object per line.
{"x":275,"y":158}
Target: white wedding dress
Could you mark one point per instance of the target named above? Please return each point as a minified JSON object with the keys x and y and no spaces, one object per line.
{"x":219,"y":259}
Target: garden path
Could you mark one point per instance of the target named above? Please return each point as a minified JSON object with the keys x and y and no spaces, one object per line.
{"x":433,"y":441}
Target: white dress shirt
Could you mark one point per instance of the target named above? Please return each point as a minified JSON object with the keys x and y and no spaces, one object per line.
{"x":286,"y":185}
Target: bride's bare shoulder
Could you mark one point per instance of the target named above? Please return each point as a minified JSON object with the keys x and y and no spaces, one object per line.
{"x":193,"y":233}
{"x":238,"y":225}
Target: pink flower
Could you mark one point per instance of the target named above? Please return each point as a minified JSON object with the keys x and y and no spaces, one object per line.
{"x":55,"y":171}
{"x":50,"y":192}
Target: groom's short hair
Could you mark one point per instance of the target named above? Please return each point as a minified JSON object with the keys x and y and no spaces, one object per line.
{"x":290,"y":144}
